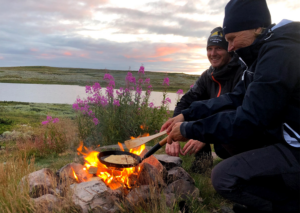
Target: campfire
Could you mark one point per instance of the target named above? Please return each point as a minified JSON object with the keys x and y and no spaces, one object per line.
{"x":113,"y":177}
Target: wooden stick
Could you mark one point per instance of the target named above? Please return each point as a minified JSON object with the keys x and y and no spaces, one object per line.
{"x":139,"y":141}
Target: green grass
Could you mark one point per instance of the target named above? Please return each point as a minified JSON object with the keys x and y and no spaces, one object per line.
{"x":30,"y":113}
{"x":82,"y":77}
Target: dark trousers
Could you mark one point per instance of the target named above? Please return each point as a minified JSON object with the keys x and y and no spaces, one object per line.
{"x":219,"y":150}
{"x":265,"y":179}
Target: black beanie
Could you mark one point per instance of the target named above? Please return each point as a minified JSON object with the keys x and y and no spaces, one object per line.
{"x":243,"y":15}
{"x":217,"y":38}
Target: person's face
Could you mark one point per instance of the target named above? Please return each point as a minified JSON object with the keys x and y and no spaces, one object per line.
{"x":217,"y":56}
{"x":240,"y":39}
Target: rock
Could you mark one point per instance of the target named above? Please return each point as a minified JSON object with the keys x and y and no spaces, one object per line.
{"x":152,"y":160}
{"x":138,"y":197}
{"x":226,"y":209}
{"x":169,"y":161}
{"x":149,"y":175}
{"x":170,"y":199}
{"x":94,"y":196}
{"x":46,"y":203}
{"x":177,"y":173}
{"x":79,"y":170}
{"x":183,"y":190}
{"x":40,"y":182}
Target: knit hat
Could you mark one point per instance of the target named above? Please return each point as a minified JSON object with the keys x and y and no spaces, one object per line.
{"x":217,"y":38}
{"x":243,"y":15}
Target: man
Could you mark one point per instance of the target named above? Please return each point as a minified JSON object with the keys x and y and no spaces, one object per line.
{"x":263,"y":123}
{"x":221,"y":77}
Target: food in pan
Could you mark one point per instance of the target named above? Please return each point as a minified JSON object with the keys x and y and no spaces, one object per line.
{"x":121,"y":159}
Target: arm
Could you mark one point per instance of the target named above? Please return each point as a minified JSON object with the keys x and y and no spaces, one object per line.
{"x":228,"y":101}
{"x":196,"y":93}
{"x":263,"y":106}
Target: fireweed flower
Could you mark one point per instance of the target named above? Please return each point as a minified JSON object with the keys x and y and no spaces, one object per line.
{"x":49,"y":118}
{"x":142,"y":70}
{"x":112,"y":83}
{"x":108,"y":77}
{"x":88,"y":89}
{"x":116,"y":103}
{"x":180,"y":92}
{"x":96,"y":121}
{"x":96,"y":87}
{"x":147,"y":81}
{"x":151,"y":105}
{"x":138,"y":90}
{"x":192,"y":86}
{"x":110,"y":91}
{"x":168,"y":100}
{"x":45,"y":122}
{"x":130,"y":79}
{"x":166,"y":81}
{"x":55,"y":120}
{"x":140,"y":81}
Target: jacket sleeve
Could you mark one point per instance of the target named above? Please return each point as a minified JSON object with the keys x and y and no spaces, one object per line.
{"x":228,"y":101}
{"x":197,"y":92}
{"x":263,"y":106}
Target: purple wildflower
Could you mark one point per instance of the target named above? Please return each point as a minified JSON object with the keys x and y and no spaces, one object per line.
{"x":116,"y":102}
{"x":55,"y":120}
{"x":180,"y":92}
{"x":151,"y":105}
{"x":140,"y":80}
{"x":49,"y":118}
{"x":108,"y":77}
{"x":168,"y":100}
{"x":96,"y":121}
{"x":110,"y":91}
{"x":96,"y":87}
{"x":138,"y":90}
{"x":45,"y":122}
{"x":166,"y":81}
{"x":192,"y":86}
{"x":142,"y":70}
{"x":147,"y":81}
{"x":88,"y":89}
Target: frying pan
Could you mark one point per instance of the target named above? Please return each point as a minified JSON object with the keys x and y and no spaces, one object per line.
{"x":103,"y":155}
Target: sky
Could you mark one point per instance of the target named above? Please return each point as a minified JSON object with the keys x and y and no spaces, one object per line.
{"x":163,"y":35}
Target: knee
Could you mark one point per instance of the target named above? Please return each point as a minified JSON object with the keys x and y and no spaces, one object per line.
{"x":221,"y":178}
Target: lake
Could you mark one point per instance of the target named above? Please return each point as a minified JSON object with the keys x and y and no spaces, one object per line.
{"x":59,"y":94}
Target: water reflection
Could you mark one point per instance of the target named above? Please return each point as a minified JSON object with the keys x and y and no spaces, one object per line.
{"x":60,"y":94}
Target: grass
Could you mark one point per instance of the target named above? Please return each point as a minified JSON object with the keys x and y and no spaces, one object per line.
{"x":82,"y":77}
{"x":26,"y":117}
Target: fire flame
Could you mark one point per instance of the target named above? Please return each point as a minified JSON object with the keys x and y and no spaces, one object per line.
{"x":74,"y":174}
{"x":113,"y":177}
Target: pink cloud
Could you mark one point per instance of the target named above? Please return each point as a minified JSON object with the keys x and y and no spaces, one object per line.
{"x":34,"y":50}
{"x":67,"y":53}
{"x":1,"y":57}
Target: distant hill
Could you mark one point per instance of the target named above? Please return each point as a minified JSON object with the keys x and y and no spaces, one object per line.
{"x":82,"y":77}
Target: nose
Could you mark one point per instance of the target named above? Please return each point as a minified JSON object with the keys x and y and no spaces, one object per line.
{"x":213,"y":52}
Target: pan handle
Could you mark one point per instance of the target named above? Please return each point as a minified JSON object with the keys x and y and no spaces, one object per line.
{"x":155,"y":148}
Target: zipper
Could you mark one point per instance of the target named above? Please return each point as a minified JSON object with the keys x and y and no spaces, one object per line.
{"x":220,"y":87}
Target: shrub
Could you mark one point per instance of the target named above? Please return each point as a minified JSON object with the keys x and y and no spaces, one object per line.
{"x":116,"y":115}
{"x":52,"y":138}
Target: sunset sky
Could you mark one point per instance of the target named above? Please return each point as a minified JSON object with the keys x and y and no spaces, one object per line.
{"x":164,"y":35}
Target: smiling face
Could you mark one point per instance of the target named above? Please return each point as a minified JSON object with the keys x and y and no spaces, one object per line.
{"x":240,"y":39}
{"x":217,"y":56}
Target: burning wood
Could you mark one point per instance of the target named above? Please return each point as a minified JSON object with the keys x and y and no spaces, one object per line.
{"x":113,"y":177}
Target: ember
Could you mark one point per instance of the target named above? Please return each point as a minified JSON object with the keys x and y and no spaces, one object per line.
{"x":113,"y":177}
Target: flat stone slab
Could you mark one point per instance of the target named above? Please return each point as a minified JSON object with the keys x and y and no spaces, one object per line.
{"x":94,"y":196}
{"x":178,"y":173}
{"x":169,"y":161}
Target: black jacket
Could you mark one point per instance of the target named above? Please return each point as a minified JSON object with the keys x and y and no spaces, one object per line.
{"x":264,"y":104}
{"x":212,"y":83}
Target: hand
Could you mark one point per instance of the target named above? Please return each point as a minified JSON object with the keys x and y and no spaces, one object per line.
{"x":175,"y":134}
{"x":192,"y":147}
{"x":173,"y":149}
{"x":171,"y":122}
